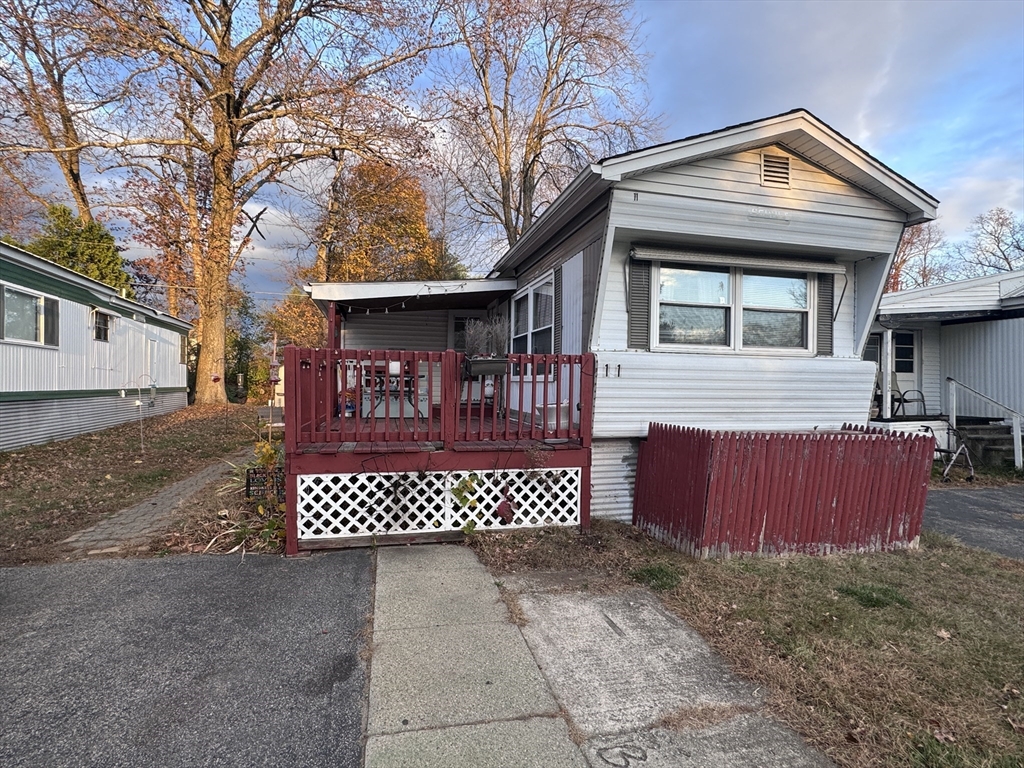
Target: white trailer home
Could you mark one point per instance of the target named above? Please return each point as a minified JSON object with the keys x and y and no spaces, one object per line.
{"x":727,"y":281}
{"x":75,"y":357}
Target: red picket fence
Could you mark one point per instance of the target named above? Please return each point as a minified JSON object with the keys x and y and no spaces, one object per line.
{"x":715,"y":494}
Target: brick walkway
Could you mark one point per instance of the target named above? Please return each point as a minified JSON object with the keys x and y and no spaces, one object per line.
{"x":138,"y":525}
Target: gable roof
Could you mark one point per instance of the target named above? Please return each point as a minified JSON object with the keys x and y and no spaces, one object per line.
{"x":798,"y":131}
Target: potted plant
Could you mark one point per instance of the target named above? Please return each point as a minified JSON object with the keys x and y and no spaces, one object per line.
{"x":486,"y":347}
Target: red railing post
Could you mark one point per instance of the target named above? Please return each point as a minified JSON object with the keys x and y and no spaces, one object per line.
{"x":587,"y":383}
{"x":449,"y":397}
{"x":291,"y":440}
{"x":291,"y":399}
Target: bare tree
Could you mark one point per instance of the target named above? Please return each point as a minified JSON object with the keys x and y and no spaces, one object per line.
{"x":50,"y":83}
{"x":21,"y":207}
{"x":532,"y":91}
{"x":254,"y":90}
{"x":921,"y":259}
{"x":995,"y":244}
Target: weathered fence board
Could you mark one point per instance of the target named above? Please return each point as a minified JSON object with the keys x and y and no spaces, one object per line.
{"x":715,"y":494}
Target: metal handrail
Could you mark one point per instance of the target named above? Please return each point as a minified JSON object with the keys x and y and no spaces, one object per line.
{"x":1015,"y":416}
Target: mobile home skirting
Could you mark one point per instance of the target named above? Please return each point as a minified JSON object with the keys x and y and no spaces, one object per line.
{"x":31,"y":422}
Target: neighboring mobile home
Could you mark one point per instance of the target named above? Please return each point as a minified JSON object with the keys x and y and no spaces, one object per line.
{"x":966,"y":336}
{"x":971,"y":331}
{"x":76,"y":357}
{"x":725,"y":281}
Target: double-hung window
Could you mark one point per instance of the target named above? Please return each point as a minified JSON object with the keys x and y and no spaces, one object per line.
{"x":732,"y":308}
{"x":29,"y":317}
{"x":533,"y":319}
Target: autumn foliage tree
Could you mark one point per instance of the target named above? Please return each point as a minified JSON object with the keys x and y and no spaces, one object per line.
{"x":296,"y":320}
{"x":377,"y":228}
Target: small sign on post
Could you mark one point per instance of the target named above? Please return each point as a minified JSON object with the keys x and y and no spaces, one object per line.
{"x":261,"y":482}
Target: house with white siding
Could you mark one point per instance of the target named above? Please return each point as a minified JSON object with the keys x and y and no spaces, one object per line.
{"x":727,"y":281}
{"x":76,"y":357}
{"x":960,"y":347}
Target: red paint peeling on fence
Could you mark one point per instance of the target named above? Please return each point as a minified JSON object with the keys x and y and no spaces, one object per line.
{"x":713,"y":494}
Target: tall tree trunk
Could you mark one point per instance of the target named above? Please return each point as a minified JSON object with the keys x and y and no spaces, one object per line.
{"x":215,"y":275}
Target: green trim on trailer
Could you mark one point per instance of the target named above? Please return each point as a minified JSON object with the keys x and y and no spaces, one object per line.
{"x":16,"y":274}
{"x":77,"y":394}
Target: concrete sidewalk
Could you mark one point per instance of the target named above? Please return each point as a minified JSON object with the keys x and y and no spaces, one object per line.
{"x":586,"y":682}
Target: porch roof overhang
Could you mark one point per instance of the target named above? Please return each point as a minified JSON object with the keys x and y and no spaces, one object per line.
{"x":411,"y":296}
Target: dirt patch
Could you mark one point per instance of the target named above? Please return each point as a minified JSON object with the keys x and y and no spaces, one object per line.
{"x":891,"y":659}
{"x":694,"y":718}
{"x":50,"y":491}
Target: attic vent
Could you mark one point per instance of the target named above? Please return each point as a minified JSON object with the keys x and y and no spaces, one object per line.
{"x":774,"y":171}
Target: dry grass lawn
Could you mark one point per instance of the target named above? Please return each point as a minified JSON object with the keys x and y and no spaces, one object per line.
{"x":48,"y":492}
{"x":912,"y":658}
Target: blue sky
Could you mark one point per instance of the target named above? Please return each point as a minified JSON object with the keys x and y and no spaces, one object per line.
{"x":935,"y":90}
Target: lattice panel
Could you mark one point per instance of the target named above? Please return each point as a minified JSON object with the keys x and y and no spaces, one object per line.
{"x":346,"y":505}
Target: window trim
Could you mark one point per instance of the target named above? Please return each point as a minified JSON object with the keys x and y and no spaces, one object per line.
{"x":528,"y":290}
{"x":106,"y":328}
{"x":735,"y":313}
{"x":41,"y":328}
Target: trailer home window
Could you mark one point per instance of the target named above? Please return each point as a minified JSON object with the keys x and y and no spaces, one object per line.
{"x":533,"y":318}
{"x":29,"y":317}
{"x":694,"y":306}
{"x":732,"y":308}
{"x":101,"y":327}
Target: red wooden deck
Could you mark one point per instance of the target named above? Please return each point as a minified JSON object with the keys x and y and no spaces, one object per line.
{"x":389,"y":411}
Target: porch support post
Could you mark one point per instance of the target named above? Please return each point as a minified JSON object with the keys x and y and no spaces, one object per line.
{"x":885,"y":361}
{"x":291,"y":439}
{"x":332,"y":325}
{"x":291,"y":514}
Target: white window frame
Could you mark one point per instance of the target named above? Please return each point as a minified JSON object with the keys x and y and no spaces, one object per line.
{"x":529,"y":291}
{"x":468,"y":314}
{"x":40,"y":318}
{"x":96,"y":325}
{"x":735,"y":307}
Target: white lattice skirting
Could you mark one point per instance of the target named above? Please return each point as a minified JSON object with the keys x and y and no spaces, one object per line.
{"x":347,"y":505}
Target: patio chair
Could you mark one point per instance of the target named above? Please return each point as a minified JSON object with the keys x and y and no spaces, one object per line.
{"x":900,"y":398}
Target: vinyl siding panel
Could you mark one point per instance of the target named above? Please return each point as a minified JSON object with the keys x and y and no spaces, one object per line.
{"x":572,"y":306}
{"x":737,"y":178}
{"x":729,"y":392}
{"x":24,"y":423}
{"x":729,"y":223}
{"x":580,"y":233}
{"x":423,"y":331}
{"x":988,"y":357}
{"x":136,"y":354}
{"x":931,"y":382}
{"x":612,"y":476}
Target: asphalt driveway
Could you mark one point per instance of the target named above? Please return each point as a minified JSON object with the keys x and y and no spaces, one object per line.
{"x":987,"y":518}
{"x":185,"y":661}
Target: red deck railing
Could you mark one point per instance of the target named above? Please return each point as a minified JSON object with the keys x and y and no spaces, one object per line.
{"x":345,"y":395}
{"x":719,"y":493}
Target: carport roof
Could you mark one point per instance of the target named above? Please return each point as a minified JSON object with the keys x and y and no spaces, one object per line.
{"x":471,"y":293}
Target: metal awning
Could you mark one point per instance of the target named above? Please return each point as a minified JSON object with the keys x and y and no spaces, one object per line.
{"x":410,"y":296}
